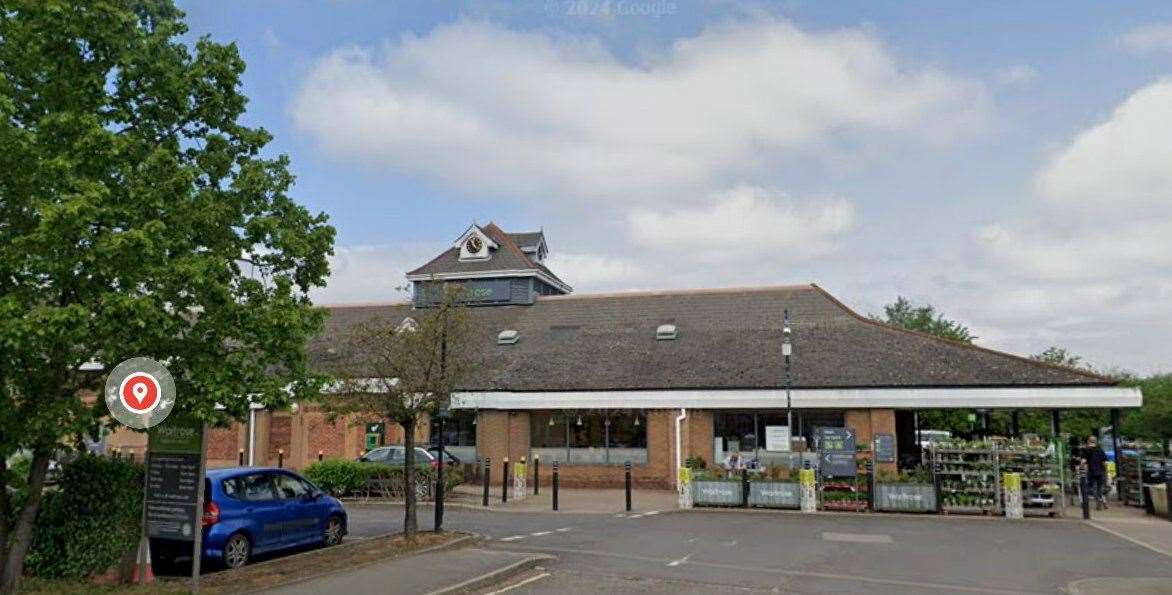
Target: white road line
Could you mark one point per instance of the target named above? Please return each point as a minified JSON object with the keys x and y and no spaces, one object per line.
{"x":540,"y":533}
{"x":635,"y":516}
{"x":513,"y":538}
{"x":564,"y":529}
{"x":856,"y":537}
{"x":520,"y":584}
{"x":619,"y":515}
{"x":680,"y":561}
{"x":1131,"y":539}
{"x":651,"y":513}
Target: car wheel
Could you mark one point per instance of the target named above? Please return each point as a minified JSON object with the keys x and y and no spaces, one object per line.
{"x":334,"y":531}
{"x":237,"y":551}
{"x":422,"y":488}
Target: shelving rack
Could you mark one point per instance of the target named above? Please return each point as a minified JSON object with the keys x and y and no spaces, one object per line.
{"x":970,"y":480}
{"x":970,"y":477}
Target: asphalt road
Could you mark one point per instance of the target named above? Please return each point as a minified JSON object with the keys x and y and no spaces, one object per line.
{"x":703,"y":552}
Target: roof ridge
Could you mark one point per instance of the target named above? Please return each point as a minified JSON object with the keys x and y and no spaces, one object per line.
{"x":505,"y":239}
{"x":665,"y":292}
{"x":891,"y":327}
{"x":363,"y":305}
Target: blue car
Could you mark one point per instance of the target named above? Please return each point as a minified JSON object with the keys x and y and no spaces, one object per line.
{"x":252,"y":510}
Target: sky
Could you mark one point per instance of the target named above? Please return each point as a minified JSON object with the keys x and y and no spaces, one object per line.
{"x":1009,"y":163}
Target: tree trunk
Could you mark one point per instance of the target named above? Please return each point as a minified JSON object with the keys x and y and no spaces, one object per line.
{"x":22,"y":533}
{"x":4,"y":506}
{"x":409,"y":522}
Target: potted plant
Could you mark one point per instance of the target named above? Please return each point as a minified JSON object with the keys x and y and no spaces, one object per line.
{"x":714,"y":487}
{"x":776,"y":488}
{"x":908,"y":491}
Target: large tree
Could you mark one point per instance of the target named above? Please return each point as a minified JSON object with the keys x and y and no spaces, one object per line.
{"x":138,"y":217}
{"x":924,"y":318}
{"x":404,"y":371}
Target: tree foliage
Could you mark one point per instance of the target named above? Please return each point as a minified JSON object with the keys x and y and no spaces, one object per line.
{"x":138,"y":217}
{"x":403,"y":370}
{"x":903,"y":313}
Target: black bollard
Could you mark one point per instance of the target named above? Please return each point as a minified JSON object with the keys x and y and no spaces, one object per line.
{"x":628,"y":473}
{"x":320,"y":454}
{"x":505,"y":482}
{"x":241,"y":461}
{"x":936,"y":469}
{"x":536,"y":475}
{"x":555,"y":484}
{"x":1085,"y":488}
{"x":1168,"y":489}
{"x":280,"y":458}
{"x":487,"y":474}
{"x":744,"y":488}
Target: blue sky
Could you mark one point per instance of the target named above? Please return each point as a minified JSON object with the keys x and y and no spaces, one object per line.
{"x":959,"y":153}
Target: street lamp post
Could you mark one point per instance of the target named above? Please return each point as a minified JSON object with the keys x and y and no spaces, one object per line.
{"x":787,"y":350}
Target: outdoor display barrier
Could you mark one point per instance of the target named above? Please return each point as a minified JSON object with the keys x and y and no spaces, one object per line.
{"x":809,"y":490}
{"x":905,"y":497}
{"x":520,"y":472}
{"x":775,"y":494}
{"x":684,"y":487}
{"x":717,"y":492}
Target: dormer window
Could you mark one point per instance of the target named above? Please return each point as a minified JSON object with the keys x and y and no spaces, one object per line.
{"x":474,"y":245}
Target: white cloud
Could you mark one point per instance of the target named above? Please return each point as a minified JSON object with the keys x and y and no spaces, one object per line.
{"x":372,"y":273}
{"x":1155,"y":37}
{"x":555,"y":119}
{"x":1088,"y":263}
{"x":1016,"y":75}
{"x":743,"y":221}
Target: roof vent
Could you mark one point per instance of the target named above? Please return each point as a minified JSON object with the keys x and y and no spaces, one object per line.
{"x":507,"y":337}
{"x":665,"y":332}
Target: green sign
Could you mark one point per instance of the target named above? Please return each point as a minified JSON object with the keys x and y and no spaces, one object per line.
{"x":179,"y":434}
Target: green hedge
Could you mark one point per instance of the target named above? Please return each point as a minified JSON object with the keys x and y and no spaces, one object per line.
{"x":90,"y":521}
{"x":341,"y":477}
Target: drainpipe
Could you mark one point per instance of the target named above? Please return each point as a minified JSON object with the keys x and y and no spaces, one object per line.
{"x":679,"y":441}
{"x":251,"y":435}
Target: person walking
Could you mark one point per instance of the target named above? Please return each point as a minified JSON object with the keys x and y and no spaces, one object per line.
{"x":1096,"y":461}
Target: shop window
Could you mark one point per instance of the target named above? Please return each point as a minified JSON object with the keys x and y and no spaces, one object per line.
{"x":744,"y":432}
{"x":589,"y":439}
{"x":459,"y":435}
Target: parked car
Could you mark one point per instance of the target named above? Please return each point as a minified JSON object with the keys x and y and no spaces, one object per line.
{"x":449,"y":458}
{"x":397,"y":455}
{"x":253,"y":510}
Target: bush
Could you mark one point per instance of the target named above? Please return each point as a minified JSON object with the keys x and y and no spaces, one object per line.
{"x":338,"y":477}
{"x":90,"y":521}
{"x":695,"y":462}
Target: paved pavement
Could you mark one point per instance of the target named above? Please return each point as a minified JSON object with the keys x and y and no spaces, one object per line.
{"x":569,"y":499}
{"x":437,"y":572}
{"x":707,"y":551}
{"x":1135,"y":525}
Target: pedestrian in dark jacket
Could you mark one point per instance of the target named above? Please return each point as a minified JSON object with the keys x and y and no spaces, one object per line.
{"x":1096,"y":461}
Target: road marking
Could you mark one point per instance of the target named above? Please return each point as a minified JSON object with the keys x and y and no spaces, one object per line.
{"x":856,"y":537}
{"x":1131,"y":539}
{"x":797,"y":573}
{"x":540,"y":533}
{"x":635,"y":516}
{"x":619,"y":515}
{"x":680,"y":561}
{"x":651,"y":513}
{"x":564,"y":529}
{"x":520,"y":584}
{"x":513,"y":538}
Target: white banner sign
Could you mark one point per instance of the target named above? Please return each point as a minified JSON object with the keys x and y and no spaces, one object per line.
{"x":777,"y":438}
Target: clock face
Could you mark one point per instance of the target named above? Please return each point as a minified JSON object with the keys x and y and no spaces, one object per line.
{"x":474,"y":245}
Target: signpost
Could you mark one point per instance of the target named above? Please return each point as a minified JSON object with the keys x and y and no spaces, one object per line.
{"x":836,"y":448}
{"x":174,"y":487}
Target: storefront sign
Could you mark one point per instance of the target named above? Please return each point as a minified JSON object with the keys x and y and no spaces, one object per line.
{"x":471,"y":291}
{"x":885,"y":448}
{"x":724,"y":493}
{"x":174,"y":479}
{"x":777,"y":438}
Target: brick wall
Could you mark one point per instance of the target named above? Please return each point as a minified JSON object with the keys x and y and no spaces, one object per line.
{"x":224,"y":445}
{"x":280,"y":437}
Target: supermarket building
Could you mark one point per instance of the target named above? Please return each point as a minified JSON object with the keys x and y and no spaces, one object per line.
{"x":652,"y":378}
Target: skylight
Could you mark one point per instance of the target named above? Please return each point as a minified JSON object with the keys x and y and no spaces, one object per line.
{"x":507,"y":337}
{"x":665,"y":332}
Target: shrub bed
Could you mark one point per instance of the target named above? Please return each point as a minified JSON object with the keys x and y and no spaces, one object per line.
{"x":340,"y":477}
{"x":90,"y":521}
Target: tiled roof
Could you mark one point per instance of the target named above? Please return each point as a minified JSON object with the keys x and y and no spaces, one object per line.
{"x":726,"y":339}
{"x":527,"y":239}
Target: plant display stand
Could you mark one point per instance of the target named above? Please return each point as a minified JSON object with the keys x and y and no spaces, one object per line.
{"x":1041,"y":478}
{"x":843,"y":495}
{"x":969,"y":479}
